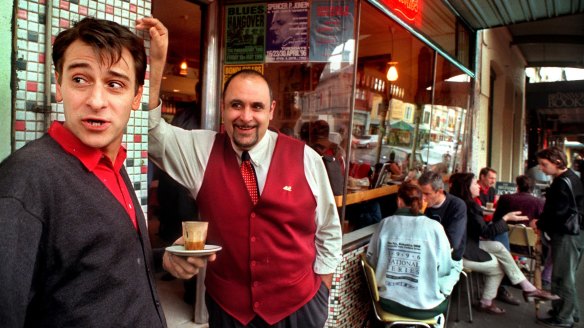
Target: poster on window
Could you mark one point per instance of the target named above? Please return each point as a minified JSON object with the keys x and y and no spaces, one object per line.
{"x":229,"y":70}
{"x":245,"y":33}
{"x":287,"y":32}
{"x":332,"y":30}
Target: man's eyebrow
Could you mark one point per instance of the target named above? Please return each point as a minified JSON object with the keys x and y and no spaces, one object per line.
{"x":110,"y":71}
{"x":253,"y":104}
{"x":258,"y":104}
{"x":77,"y":65}
{"x":118,"y":74}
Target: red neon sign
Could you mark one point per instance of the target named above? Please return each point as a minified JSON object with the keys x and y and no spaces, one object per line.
{"x":407,"y":9}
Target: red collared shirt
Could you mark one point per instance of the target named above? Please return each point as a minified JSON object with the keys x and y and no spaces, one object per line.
{"x":99,"y":164}
{"x":484,"y":190}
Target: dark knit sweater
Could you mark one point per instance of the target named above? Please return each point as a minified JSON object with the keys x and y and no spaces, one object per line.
{"x":559,"y":201}
{"x":70,"y":255}
{"x":452,"y":215}
{"x":477,"y":229}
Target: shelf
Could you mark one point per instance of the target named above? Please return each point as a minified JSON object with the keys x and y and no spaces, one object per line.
{"x":361,"y":196}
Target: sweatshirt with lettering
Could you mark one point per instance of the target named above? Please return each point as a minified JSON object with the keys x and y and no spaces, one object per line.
{"x":412,"y":259}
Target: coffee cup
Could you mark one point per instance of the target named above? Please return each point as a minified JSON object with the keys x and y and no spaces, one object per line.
{"x":490,"y":206}
{"x":194,"y":234}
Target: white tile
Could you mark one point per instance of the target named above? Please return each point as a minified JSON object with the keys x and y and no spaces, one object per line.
{"x":20,"y":144}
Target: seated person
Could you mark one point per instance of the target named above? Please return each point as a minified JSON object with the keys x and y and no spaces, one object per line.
{"x":316,"y":135}
{"x":411,"y":257}
{"x":394,"y":168}
{"x":318,"y":139}
{"x":489,"y":257}
{"x":523,"y":200}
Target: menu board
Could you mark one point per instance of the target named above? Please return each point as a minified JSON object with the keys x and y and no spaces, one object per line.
{"x":287,"y":32}
{"x":331,"y":27}
{"x":245,"y":33}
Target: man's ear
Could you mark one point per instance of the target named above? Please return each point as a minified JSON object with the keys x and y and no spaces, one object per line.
{"x":58,"y":94}
{"x":272,"y":108}
{"x":137,"y":98}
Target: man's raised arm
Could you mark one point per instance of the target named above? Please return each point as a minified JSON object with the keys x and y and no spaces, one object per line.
{"x":158,"y":49}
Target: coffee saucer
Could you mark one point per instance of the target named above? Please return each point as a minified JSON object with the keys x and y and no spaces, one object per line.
{"x":181,"y":251}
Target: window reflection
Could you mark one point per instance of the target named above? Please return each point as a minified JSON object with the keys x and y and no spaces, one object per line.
{"x":350,"y":111}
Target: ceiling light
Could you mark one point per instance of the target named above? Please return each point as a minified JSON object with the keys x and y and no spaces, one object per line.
{"x":183,"y":68}
{"x":392,"y":72}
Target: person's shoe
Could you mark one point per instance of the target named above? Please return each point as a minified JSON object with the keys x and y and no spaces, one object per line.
{"x":540,"y":295}
{"x":505,"y":296}
{"x":552,"y":313}
{"x":490,"y":309}
{"x":553,"y":322}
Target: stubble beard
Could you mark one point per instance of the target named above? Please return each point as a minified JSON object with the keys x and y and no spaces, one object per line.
{"x":245,"y":145}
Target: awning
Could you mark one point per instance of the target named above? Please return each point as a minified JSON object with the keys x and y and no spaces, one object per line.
{"x":401,"y":125}
{"x":548,"y":33}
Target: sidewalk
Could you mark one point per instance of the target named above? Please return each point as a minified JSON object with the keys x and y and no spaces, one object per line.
{"x":516,"y":317}
{"x":179,"y":314}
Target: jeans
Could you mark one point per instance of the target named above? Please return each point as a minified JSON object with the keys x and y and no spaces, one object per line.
{"x":566,"y":256}
{"x":503,"y":238}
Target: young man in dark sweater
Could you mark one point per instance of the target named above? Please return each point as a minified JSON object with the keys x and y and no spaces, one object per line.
{"x":74,"y":243}
{"x":567,"y":248}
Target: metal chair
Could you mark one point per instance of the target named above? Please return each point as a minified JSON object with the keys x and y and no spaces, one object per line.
{"x":524,"y":242}
{"x":389,"y":319}
{"x":466,"y":274}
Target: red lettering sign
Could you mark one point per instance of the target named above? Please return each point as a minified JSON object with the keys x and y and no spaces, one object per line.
{"x":407,"y":9}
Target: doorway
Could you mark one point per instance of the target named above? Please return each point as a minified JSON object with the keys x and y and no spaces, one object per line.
{"x":180,"y":89}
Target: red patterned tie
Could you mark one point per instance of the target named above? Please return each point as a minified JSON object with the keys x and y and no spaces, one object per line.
{"x":249,"y":177}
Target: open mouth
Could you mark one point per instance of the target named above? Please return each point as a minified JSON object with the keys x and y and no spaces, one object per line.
{"x":95,"y":123}
{"x":245,"y":128}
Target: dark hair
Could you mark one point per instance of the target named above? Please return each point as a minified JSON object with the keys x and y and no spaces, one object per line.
{"x":460,"y":186}
{"x":524,"y":183}
{"x":305,"y":132}
{"x":319,"y":129}
{"x":108,"y":39}
{"x":432,"y":178}
{"x":555,"y":155}
{"x":247,"y":72}
{"x":411,"y":195}
{"x":485,"y":171}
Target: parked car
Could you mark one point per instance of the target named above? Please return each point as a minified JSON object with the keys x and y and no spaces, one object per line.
{"x":401,"y":155}
{"x":366,"y":141}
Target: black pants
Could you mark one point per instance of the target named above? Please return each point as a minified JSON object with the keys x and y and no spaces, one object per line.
{"x":312,"y":315}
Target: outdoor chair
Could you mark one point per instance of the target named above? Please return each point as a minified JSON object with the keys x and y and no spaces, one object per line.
{"x":524,"y":242}
{"x":389,"y":319}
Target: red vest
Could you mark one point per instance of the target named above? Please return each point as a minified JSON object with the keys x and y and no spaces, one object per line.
{"x":266,"y":265}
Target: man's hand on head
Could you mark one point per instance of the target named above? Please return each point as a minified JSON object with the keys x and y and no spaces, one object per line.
{"x":158,"y":38}
{"x":158,"y":49}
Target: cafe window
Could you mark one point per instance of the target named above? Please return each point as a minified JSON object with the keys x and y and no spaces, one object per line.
{"x":331,"y":86}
